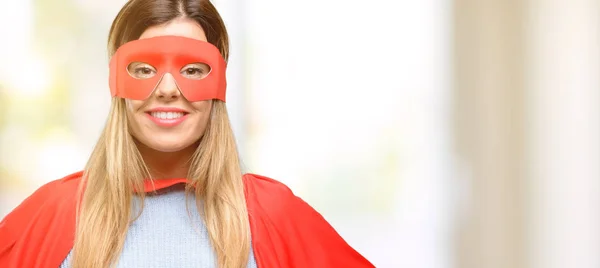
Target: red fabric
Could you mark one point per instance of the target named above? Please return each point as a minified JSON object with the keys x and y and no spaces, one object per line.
{"x":286,"y":232}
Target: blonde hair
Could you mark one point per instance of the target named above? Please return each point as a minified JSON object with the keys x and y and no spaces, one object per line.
{"x":116,"y":168}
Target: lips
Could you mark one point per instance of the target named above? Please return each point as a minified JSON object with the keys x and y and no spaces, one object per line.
{"x":167,"y":117}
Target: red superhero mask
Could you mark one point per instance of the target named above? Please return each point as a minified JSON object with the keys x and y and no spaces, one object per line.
{"x":168,"y":54}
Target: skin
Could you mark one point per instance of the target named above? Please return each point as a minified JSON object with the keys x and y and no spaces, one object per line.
{"x":167,"y":150}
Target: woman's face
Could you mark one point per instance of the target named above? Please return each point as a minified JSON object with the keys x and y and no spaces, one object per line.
{"x":166,"y":121}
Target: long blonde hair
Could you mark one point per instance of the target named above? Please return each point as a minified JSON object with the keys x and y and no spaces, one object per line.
{"x":116,"y":169}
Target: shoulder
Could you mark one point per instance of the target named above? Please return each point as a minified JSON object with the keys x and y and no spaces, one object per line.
{"x":47,"y":199}
{"x":46,"y":217}
{"x":255,"y":183}
{"x":275,"y":200}
{"x":54,"y":191}
{"x":271,"y":195}
{"x":279,"y":217}
{"x":65,"y":184}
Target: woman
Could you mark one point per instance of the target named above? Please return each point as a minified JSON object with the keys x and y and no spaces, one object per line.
{"x":163,"y":186}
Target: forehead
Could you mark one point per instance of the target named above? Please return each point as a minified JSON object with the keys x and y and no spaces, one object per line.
{"x":184,"y":27}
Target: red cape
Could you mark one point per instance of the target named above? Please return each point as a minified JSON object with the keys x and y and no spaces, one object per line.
{"x":286,"y":231}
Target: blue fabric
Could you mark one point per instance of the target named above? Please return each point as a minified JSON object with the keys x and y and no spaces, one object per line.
{"x":166,"y":235}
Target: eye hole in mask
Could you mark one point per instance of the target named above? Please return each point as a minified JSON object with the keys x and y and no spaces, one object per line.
{"x":142,"y":70}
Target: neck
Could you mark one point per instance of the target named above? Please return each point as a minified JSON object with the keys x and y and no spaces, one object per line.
{"x":167,"y":165}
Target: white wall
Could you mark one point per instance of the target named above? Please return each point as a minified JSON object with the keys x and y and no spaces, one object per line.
{"x":564,"y":43}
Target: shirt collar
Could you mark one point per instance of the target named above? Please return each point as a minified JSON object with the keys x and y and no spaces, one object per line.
{"x":154,"y":185}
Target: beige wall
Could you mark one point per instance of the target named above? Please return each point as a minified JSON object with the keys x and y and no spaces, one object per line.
{"x":489,"y":89}
{"x":527,"y":98}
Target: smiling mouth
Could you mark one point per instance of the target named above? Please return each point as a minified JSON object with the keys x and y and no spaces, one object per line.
{"x":167,"y":115}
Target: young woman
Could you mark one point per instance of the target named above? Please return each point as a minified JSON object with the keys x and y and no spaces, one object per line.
{"x":163,"y":186}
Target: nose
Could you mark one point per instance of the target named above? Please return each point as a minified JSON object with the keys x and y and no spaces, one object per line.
{"x":167,"y":88}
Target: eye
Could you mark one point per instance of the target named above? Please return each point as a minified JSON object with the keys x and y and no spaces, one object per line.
{"x":141,"y":70}
{"x":195,"y":71}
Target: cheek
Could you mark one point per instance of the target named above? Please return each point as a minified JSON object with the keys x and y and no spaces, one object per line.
{"x":203,"y":111}
{"x":202,"y":106}
{"x":132,"y":106}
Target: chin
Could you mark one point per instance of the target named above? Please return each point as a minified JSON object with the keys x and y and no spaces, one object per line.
{"x":170,"y":147}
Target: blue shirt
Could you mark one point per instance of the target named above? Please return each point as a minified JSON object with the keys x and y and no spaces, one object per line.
{"x":167,"y":234}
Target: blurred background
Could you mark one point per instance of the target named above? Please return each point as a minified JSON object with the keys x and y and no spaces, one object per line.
{"x":430,"y":133}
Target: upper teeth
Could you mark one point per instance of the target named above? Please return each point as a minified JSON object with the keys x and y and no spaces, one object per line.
{"x":166,"y":115}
